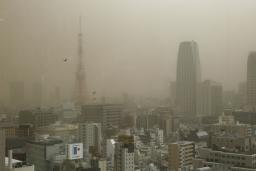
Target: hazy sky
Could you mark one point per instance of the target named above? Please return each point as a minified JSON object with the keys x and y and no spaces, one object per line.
{"x":130,"y":45}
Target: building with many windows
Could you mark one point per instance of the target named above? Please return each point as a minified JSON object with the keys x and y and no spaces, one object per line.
{"x":90,"y":135}
{"x":235,"y":161}
{"x":124,"y":153}
{"x":181,"y":155}
{"x":109,"y":115}
{"x":251,"y":81}
{"x":38,"y":117}
{"x":188,"y":78}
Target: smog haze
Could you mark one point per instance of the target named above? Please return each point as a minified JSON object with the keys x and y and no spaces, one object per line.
{"x":130,"y":46}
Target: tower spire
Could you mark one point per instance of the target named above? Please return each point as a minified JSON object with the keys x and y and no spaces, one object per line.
{"x":80,"y":74}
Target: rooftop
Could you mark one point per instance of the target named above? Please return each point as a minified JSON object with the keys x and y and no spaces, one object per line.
{"x":46,"y":141}
{"x":16,"y":163}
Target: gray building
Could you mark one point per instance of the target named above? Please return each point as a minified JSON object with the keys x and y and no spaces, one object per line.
{"x":2,"y":149}
{"x":232,"y":143}
{"x":38,"y":117}
{"x":251,"y":80}
{"x":230,"y":148}
{"x":233,"y":161}
{"x":90,"y":135}
{"x":109,"y":115}
{"x":209,"y":99}
{"x":42,"y":153}
{"x":188,"y":77}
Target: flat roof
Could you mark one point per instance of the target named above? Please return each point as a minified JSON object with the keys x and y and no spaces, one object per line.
{"x":14,"y":161}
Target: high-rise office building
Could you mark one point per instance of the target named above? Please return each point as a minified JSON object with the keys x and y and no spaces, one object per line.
{"x":181,"y":155}
{"x":188,"y":77}
{"x":251,"y":80}
{"x":38,"y":117}
{"x":110,"y":154}
{"x":124,"y":153}
{"x":2,"y":149}
{"x":109,"y":115}
{"x":209,"y":99}
{"x":90,"y":135}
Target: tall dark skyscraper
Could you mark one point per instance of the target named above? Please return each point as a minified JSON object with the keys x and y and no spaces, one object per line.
{"x":251,"y":80}
{"x":188,"y":78}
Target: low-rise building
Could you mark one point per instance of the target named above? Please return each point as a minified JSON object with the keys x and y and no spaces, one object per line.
{"x":233,"y":143}
{"x":43,"y":152}
{"x":227,"y":125}
{"x":224,"y":160}
{"x":17,"y":165}
{"x":67,"y":132}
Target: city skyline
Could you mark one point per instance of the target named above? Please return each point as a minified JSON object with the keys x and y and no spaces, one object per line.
{"x":127,"y":85}
{"x":162,"y":33}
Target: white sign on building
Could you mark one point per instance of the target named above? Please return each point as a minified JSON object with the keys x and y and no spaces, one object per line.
{"x":75,"y":151}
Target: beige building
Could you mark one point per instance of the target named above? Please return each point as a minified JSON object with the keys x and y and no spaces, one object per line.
{"x":103,"y":165}
{"x":9,"y":128}
{"x":181,"y":155}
